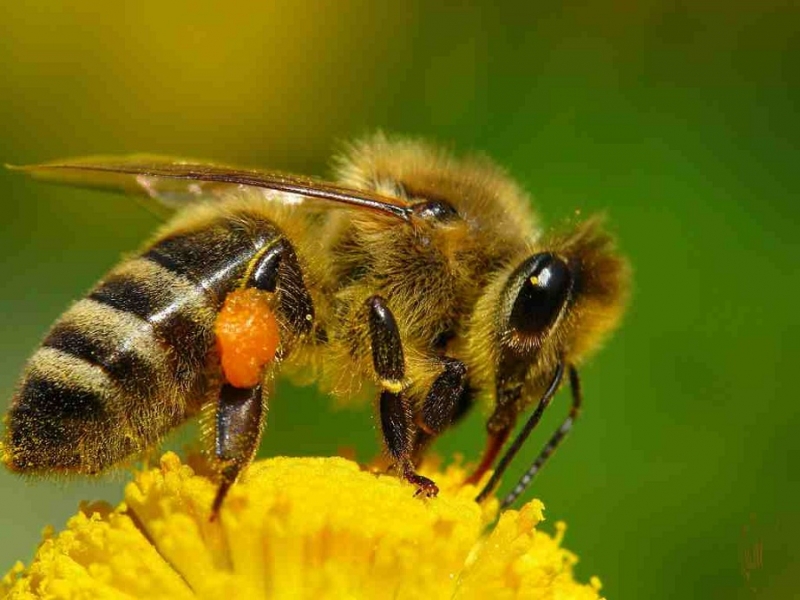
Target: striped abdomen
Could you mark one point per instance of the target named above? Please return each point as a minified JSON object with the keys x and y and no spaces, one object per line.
{"x":130,"y":361}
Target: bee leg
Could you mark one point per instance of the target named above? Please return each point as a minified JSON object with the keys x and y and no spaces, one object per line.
{"x":397,"y":421}
{"x":398,"y":433}
{"x":442,"y":404}
{"x":529,"y":426}
{"x":445,"y":403}
{"x":387,"y":350}
{"x":553,"y":442}
{"x":241,"y":410}
{"x":277,"y":269}
{"x":494,"y":443}
{"x":239,"y":423}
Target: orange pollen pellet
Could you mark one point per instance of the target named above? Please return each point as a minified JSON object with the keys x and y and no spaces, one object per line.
{"x":247,"y":336}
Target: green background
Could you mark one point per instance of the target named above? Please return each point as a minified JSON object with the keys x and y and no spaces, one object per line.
{"x":679,"y":121}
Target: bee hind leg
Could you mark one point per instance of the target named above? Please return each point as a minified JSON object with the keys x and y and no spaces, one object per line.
{"x":397,"y":421}
{"x":242,"y":408}
{"x":278,"y":270}
{"x":238,"y":426}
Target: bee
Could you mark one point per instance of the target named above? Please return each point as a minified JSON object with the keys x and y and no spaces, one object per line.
{"x":420,"y":279}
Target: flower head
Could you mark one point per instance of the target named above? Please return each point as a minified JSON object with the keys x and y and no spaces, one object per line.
{"x":297,"y":528}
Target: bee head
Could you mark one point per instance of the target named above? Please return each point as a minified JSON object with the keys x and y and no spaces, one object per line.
{"x":558,"y":303}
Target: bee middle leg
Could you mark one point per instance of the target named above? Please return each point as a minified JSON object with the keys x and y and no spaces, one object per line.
{"x":447,"y":401}
{"x":397,"y":422}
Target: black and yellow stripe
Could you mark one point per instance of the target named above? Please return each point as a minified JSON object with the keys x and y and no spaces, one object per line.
{"x":130,"y":361}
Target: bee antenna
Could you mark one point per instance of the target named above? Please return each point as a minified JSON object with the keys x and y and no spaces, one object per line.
{"x":552,"y":444}
{"x":533,"y":421}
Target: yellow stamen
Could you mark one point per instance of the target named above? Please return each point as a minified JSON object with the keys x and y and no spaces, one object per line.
{"x":298,"y":528}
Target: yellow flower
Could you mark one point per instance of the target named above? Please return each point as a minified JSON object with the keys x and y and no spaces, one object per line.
{"x":298,"y":528}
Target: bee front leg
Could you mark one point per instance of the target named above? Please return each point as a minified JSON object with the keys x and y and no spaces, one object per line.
{"x":238,"y":426}
{"x":529,"y":426}
{"x":397,"y":422}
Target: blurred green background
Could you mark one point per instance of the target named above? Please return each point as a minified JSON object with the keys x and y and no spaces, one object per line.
{"x":680,"y":121}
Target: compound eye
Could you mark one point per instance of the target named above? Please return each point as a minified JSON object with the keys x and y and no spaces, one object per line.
{"x":545,"y":282}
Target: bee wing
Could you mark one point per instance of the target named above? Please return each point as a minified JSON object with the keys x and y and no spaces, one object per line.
{"x":175,"y":182}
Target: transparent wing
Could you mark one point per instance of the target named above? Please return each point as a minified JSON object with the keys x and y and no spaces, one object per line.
{"x":175,"y":182}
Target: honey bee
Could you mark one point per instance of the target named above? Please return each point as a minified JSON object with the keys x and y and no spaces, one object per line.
{"x":420,"y":279}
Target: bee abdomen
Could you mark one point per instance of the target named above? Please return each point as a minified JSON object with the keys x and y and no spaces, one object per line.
{"x":127,"y":365}
{"x":105,"y":383}
{"x":123,"y":366}
{"x":160,"y":313}
{"x":215,"y":256}
{"x":100,"y":388}
{"x":61,"y":416}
